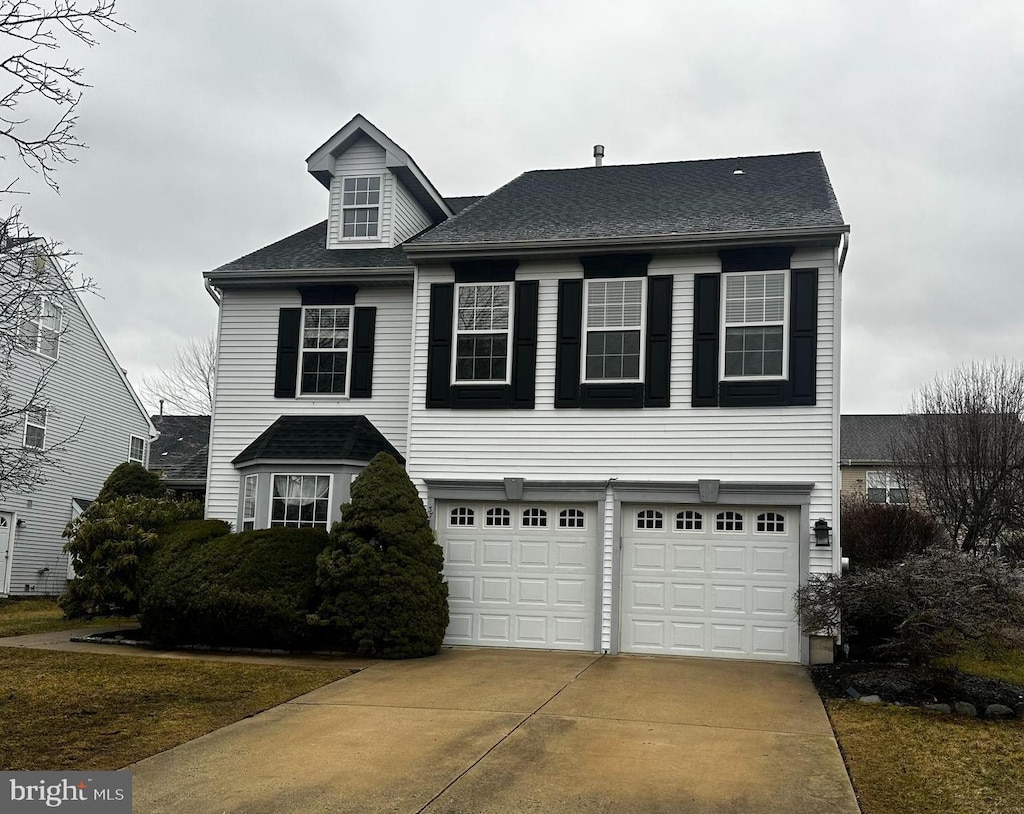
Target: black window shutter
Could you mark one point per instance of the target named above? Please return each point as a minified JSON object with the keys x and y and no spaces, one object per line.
{"x":704,"y":384}
{"x":439,"y":345}
{"x":365,"y":323}
{"x":569,"y":333}
{"x":659,"y":341}
{"x":803,"y":335}
{"x":289,"y":323}
{"x":524,"y":350}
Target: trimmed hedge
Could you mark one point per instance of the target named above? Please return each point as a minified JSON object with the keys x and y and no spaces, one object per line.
{"x":381,"y":579}
{"x":254,"y":589}
{"x":131,"y":480}
{"x":877,"y":534}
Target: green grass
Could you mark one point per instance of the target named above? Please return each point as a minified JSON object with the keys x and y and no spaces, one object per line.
{"x":21,"y":616}
{"x":96,"y":712}
{"x":905,"y":761}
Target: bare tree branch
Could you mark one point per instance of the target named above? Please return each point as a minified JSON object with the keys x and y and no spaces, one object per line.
{"x":187,"y":385}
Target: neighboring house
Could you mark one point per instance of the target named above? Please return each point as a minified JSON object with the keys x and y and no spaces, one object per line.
{"x":865,"y":458}
{"x":179,"y":453}
{"x":92,"y":405}
{"x":616,"y":388}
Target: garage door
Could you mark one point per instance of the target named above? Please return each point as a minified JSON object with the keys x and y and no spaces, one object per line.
{"x":520,"y":575}
{"x":719,"y":581}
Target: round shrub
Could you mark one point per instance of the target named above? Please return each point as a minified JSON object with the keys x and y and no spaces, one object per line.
{"x":880,"y":533}
{"x":131,"y":480}
{"x":384,"y":594}
{"x":254,"y":589}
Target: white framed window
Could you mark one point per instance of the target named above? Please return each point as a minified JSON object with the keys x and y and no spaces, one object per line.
{"x":728,"y":521}
{"x":754,"y":316}
{"x":41,"y":327}
{"x":462,"y":516}
{"x":498,"y":517}
{"x":535,"y":518}
{"x":137,"y":450}
{"x":483,"y":332}
{"x":360,"y":207}
{"x":771,"y":523}
{"x":613,"y":322}
{"x":572,"y":519}
{"x":326,"y":339}
{"x":647,"y":519}
{"x":689,"y":520}
{"x":884,"y":487}
{"x":35,"y":429}
{"x":249,"y":485}
{"x":301,"y":501}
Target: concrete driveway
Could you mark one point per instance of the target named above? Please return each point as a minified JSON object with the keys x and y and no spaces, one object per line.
{"x":480,"y":730}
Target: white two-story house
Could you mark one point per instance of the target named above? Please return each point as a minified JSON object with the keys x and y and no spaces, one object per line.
{"x":89,"y":411}
{"x":616,"y":388}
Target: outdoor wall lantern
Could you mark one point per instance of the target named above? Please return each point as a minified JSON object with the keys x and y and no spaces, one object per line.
{"x":822,"y":532}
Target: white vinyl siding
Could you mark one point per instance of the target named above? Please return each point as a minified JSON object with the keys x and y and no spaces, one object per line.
{"x":760,"y":444}
{"x":407,"y":217}
{"x":90,"y":404}
{"x":245,"y":404}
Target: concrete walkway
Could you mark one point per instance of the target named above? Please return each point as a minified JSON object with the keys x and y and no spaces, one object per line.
{"x":482,"y":731}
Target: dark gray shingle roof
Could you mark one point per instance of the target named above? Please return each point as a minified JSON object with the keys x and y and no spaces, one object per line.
{"x":868,"y":437}
{"x":181,"y":450}
{"x":639,"y":200}
{"x":459,"y":203}
{"x":319,"y":438}
{"x":306,"y":250}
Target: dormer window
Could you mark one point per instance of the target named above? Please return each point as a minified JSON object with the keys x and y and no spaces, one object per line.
{"x":360,"y":207}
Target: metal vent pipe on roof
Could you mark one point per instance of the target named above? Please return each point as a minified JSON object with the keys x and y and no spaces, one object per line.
{"x":598,"y":154}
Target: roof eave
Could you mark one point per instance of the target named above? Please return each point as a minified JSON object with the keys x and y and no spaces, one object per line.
{"x":805,"y":235}
{"x":252,"y":278}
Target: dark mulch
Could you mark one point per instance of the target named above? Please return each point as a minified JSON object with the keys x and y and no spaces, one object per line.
{"x":901,"y":684}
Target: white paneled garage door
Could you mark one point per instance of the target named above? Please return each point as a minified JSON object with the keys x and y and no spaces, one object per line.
{"x":520,"y":574}
{"x":710,"y":581}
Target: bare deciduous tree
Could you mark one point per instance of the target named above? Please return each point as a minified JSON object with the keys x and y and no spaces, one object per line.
{"x":187,"y":385}
{"x":962,"y":452}
{"x":36,"y":273}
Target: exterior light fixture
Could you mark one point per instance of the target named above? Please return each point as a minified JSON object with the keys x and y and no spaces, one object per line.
{"x":822,"y":532}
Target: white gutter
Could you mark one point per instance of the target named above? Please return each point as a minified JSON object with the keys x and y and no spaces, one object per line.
{"x":845,"y":248}
{"x":211,"y":290}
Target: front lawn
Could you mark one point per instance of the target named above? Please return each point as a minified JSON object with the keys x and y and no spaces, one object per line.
{"x":90,"y":711}
{"x":906,"y":761}
{"x":21,"y":616}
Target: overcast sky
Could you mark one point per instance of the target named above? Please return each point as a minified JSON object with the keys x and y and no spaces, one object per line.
{"x":199,"y":123}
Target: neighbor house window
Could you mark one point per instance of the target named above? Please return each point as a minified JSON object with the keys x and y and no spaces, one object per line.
{"x":35,"y":429}
{"x":360,"y":207}
{"x":883,"y":487}
{"x":326,"y":337}
{"x":249,"y":502}
{"x":483,"y":326}
{"x":40,"y":329}
{"x":613,"y":323}
{"x":300,"y":501}
{"x":754,"y":315}
{"x":137,"y":450}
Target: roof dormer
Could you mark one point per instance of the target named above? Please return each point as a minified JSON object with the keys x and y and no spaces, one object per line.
{"x":379,"y":197}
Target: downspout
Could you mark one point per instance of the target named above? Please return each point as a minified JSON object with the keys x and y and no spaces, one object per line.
{"x":214,"y":294}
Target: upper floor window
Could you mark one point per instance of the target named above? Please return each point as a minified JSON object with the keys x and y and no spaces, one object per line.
{"x":300,"y":501}
{"x":326,"y":333}
{"x":137,"y":450}
{"x":35,"y":429}
{"x":883,"y":487}
{"x":483,"y":328}
{"x":754,"y":316}
{"x":40,"y":329}
{"x":360,"y":207}
{"x":614,"y":326}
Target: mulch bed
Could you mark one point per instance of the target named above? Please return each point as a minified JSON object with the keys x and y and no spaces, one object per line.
{"x":901,"y":684}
